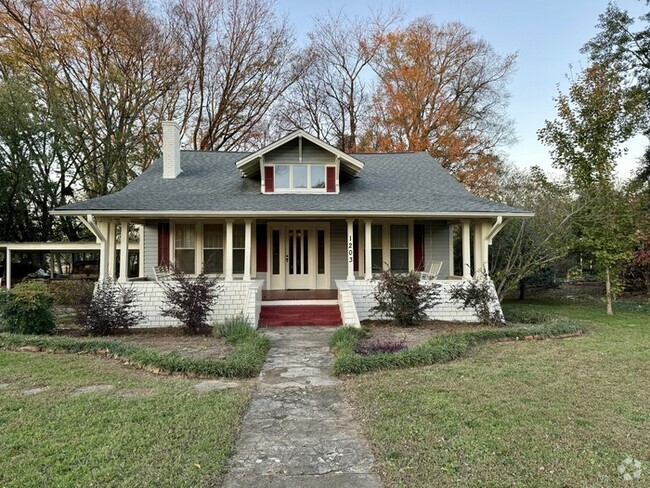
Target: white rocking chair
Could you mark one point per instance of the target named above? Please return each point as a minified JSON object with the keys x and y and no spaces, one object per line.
{"x":434,"y":271}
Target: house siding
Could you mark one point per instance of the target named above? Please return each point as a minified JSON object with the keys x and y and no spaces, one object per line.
{"x":436,"y":245}
{"x":288,"y":154}
{"x":150,"y":229}
{"x":338,"y":248}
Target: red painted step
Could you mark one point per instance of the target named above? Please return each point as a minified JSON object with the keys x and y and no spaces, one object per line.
{"x":282,"y":315}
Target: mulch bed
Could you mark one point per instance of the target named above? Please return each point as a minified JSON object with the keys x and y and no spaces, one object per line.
{"x":387,"y":331}
{"x":166,"y":339}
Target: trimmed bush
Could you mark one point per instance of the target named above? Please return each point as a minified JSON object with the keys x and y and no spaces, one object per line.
{"x":439,"y":349}
{"x":112,"y":307}
{"x":244,"y":361}
{"x":27,"y":309}
{"x":478,"y":294}
{"x":190,"y":299}
{"x":404,"y":297}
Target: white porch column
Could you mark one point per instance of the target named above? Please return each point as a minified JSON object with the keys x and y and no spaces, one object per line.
{"x":486,"y":247}
{"x":368,"y":246}
{"x":8,"y":268}
{"x":247,"y":249}
{"x":103,"y":249}
{"x":350,"y":252}
{"x":141,"y":251}
{"x":228,"y":251}
{"x":467,"y":272}
{"x":110,"y":237}
{"x":478,"y":249}
{"x":124,"y":251}
{"x":451,"y":250}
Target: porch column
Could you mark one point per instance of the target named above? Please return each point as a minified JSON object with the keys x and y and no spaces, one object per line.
{"x":247,"y":249}
{"x":486,"y":248}
{"x":478,"y":249}
{"x":368,"y":243}
{"x":103,"y":249}
{"x":228,"y":251}
{"x":350,"y":253}
{"x":124,"y":251}
{"x":451,"y":249}
{"x":8,"y":268}
{"x":141,"y":251}
{"x":467,"y":272}
{"x":110,"y":237}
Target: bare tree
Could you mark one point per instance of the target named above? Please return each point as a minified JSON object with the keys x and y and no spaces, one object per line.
{"x":239,"y":58}
{"x":333,"y":96}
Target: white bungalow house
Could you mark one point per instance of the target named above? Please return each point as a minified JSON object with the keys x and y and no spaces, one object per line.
{"x":296,"y":224}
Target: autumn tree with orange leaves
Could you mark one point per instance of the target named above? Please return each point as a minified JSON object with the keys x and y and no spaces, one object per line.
{"x":444,"y":91}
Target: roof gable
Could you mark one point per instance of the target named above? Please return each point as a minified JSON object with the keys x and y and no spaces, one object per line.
{"x":249,"y":166}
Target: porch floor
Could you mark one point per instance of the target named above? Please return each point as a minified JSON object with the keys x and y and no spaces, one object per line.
{"x":274,"y":295}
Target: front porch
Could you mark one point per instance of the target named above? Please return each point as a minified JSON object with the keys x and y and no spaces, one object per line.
{"x":264,"y":260}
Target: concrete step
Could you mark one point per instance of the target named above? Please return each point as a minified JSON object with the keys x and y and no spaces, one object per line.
{"x":287,"y":315}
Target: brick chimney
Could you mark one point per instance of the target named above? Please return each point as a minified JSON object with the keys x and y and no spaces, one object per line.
{"x":171,"y":149}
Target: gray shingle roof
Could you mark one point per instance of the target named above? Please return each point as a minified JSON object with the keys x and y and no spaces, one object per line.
{"x":210,"y":182}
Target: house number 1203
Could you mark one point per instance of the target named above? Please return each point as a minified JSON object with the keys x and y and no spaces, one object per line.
{"x":350,"y":250}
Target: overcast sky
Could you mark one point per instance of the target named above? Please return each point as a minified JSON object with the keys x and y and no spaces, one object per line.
{"x":546,"y":34}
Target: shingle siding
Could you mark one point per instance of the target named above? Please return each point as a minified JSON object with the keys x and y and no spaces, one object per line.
{"x":436,"y":245}
{"x":338,"y":262}
{"x":150,"y":247}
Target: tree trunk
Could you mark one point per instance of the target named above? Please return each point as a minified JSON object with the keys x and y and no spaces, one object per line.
{"x":608,"y":292}
{"x":522,"y":289}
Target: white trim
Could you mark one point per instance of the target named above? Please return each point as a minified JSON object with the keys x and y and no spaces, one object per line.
{"x":247,"y":249}
{"x":227,"y":258}
{"x":450,"y":230}
{"x":350,"y":250}
{"x":147,"y":214}
{"x":368,"y":248}
{"x":124,"y":251}
{"x":355,"y":164}
{"x":467,"y":272}
{"x":8,"y":268}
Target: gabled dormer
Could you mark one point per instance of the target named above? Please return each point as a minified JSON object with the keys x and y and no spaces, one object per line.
{"x":299,"y":163}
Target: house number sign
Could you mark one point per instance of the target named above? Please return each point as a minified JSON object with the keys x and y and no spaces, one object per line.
{"x":350,"y":251}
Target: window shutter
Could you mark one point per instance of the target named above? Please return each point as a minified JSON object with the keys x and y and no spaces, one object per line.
{"x":418,"y":242}
{"x":331,"y":179}
{"x":163,"y":244}
{"x":260,"y":233}
{"x":268,"y":179}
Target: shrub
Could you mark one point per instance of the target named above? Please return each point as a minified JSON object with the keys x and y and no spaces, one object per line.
{"x":366,"y":348}
{"x":27,"y":309}
{"x":479,"y":294}
{"x":74,"y":294}
{"x":234,"y":328}
{"x":112,"y":307}
{"x":403,"y":297}
{"x":190,"y":299}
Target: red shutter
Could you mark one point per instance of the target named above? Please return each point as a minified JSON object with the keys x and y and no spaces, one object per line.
{"x":418,"y":251}
{"x":355,"y":238}
{"x":163,"y":244}
{"x":260,"y":235}
{"x":331,"y":179}
{"x":268,"y":179}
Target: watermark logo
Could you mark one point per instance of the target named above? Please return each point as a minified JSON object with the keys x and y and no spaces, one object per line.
{"x":630,"y":469}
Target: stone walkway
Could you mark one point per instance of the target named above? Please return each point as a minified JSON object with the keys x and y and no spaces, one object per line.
{"x":299,"y":431}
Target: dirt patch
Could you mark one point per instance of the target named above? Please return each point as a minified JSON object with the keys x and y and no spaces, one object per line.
{"x":387,"y":331}
{"x":168,"y":339}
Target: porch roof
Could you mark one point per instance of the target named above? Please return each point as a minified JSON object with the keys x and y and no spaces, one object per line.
{"x":211,"y":184}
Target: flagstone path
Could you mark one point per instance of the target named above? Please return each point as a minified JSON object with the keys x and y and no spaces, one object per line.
{"x":299,"y":430}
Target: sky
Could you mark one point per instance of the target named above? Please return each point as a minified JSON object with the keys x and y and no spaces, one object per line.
{"x":546,"y":34}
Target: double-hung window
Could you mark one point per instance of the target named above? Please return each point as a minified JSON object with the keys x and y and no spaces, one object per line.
{"x":213,"y":248}
{"x":238,"y":245}
{"x":185,"y":247}
{"x":399,"y":248}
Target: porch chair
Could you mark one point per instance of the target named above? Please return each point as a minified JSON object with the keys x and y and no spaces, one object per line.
{"x":162,"y":273}
{"x":433,"y":272}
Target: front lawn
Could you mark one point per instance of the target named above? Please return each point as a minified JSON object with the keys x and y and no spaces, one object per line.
{"x":136,"y":429}
{"x":540,"y":413}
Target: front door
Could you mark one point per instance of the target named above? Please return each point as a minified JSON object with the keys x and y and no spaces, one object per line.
{"x":299,"y":256}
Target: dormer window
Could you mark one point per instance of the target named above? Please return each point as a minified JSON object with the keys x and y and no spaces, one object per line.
{"x":299,"y":177}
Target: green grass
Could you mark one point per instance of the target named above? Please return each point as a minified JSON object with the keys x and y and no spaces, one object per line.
{"x":148,"y":431}
{"x":539,"y":414}
{"x":245,"y":360}
{"x":439,"y":349}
